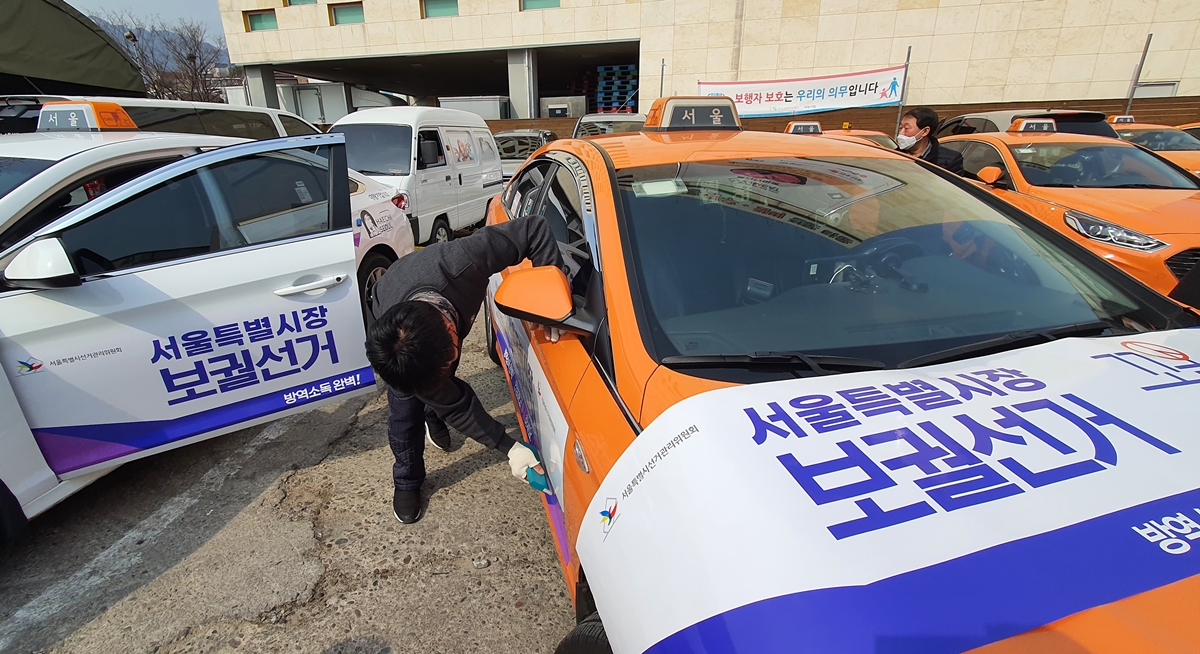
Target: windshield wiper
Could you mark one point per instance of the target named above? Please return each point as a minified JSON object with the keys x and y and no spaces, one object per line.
{"x":1145,"y":186}
{"x":1010,"y":341}
{"x":1059,"y":185}
{"x":819,"y":363}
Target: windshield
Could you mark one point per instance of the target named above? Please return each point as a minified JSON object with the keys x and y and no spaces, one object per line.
{"x":884,"y":140}
{"x":1089,"y":165}
{"x":517,"y":147}
{"x":597,"y":127}
{"x":854,"y":257}
{"x":1167,"y":140}
{"x":378,"y":149}
{"x":15,"y":171}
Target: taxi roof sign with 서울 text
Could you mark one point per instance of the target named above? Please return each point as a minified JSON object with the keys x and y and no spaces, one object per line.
{"x":804,"y":127}
{"x":66,"y":116}
{"x":1116,"y":120}
{"x":685,"y":113}
{"x":1026,"y":125}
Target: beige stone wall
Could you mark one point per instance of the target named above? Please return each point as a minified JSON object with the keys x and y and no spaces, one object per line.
{"x":963,"y":51}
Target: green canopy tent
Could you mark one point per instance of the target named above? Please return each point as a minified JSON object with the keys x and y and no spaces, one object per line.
{"x":49,"y":48}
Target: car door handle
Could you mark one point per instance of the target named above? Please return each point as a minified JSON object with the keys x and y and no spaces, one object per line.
{"x":328,"y":282}
{"x":447,"y":178}
{"x":460,"y":179}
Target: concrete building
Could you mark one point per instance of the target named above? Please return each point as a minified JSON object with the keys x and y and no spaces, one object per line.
{"x":963,"y":51}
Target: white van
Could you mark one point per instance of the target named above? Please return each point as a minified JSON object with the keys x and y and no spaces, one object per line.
{"x":444,"y":163}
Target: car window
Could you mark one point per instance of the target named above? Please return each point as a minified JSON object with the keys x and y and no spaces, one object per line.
{"x":989,"y":126}
{"x":1164,"y":140}
{"x":1090,"y":165}
{"x":221,"y":207}
{"x":1074,"y":124}
{"x":15,"y":171}
{"x":970,"y":126}
{"x":523,"y":193}
{"x":884,"y":140}
{"x":949,"y":128}
{"x":378,"y":149}
{"x":430,"y":136}
{"x":242,"y":124}
{"x":517,"y":148}
{"x":296,"y":127}
{"x":562,"y":205}
{"x":75,"y":194}
{"x":462,"y":148}
{"x":856,"y":257}
{"x":614,"y":126}
{"x":166,"y":119}
{"x":978,"y":156}
{"x":486,"y":148}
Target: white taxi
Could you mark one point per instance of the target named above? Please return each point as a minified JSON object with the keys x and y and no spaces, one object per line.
{"x":212,"y":291}
{"x":92,"y":147}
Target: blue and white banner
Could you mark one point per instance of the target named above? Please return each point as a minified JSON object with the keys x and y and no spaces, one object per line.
{"x":961,"y":503}
{"x":787,"y":97}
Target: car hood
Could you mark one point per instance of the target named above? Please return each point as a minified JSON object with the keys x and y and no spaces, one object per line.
{"x":1151,"y":211}
{"x":1189,"y":159}
{"x":993,"y":498}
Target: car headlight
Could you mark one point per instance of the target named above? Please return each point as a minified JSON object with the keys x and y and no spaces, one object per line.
{"x":1106,"y":232}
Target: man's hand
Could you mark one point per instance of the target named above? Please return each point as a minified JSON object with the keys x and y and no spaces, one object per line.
{"x":520,"y":457}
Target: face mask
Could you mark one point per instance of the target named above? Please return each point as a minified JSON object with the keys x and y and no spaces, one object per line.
{"x":905,"y":142}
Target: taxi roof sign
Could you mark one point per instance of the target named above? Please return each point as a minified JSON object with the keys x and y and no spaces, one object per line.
{"x":686,"y":113}
{"x":803,"y":127}
{"x":1121,"y":119}
{"x":68,"y":116}
{"x":1044,"y":125}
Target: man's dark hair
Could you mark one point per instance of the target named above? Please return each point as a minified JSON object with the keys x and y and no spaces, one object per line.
{"x":925,"y":117}
{"x":410,"y":348}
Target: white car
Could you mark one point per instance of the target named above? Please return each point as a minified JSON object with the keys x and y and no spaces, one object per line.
{"x":210,"y":293}
{"x":45,"y":175}
{"x":444,"y":163}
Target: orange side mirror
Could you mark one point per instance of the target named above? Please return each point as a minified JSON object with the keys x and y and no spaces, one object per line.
{"x":989,"y":174}
{"x":542,"y":296}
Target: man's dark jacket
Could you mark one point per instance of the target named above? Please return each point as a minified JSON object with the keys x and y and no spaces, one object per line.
{"x":459,"y":270}
{"x":944,"y":157}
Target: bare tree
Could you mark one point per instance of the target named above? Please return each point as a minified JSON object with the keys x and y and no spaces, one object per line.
{"x":193,"y":60}
{"x":176,"y":60}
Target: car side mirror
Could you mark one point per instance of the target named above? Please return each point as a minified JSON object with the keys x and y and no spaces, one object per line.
{"x":993,"y":176}
{"x":542,"y":296}
{"x":42,"y":264}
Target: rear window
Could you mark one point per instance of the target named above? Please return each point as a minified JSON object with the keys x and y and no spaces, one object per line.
{"x":15,"y":171}
{"x":19,"y":118}
{"x":378,"y":149}
{"x":242,"y":124}
{"x":166,"y":119}
{"x":598,"y":127}
{"x":296,"y":127}
{"x":517,"y":147}
{"x":1080,"y":125}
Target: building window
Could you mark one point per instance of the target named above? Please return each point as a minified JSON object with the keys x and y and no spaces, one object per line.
{"x":538,"y":4}
{"x":346,"y":14}
{"x":438,"y":8}
{"x":293,"y":3}
{"x":260,"y":20}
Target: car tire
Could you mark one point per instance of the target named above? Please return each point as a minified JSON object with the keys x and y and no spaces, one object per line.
{"x":587,"y":637}
{"x":440,"y":232}
{"x":372,"y":268}
{"x":489,"y":333}
{"x":13,"y":524}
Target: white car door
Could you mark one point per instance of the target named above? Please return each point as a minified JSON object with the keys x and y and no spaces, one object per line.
{"x":464,"y":156}
{"x":437,"y":191}
{"x":210,"y":295}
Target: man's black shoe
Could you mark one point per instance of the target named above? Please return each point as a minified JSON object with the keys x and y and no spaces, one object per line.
{"x":406,"y":505}
{"x":438,"y":435}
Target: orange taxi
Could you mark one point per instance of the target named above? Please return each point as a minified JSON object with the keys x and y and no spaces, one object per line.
{"x":847,"y":132}
{"x":747,"y":316}
{"x":1126,"y":204}
{"x":1171,"y":143}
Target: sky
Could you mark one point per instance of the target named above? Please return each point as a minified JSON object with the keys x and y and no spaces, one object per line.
{"x":204,"y":11}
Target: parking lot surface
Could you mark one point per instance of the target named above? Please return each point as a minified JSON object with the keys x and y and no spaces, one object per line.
{"x":281,"y":538}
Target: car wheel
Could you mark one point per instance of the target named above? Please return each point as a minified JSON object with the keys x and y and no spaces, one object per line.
{"x":441,"y":231}
{"x":13,"y":524}
{"x":490,"y":335}
{"x":587,"y":637}
{"x":372,"y":268}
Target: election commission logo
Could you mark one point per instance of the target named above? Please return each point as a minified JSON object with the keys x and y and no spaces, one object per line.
{"x":29,"y":366}
{"x":609,"y":515}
